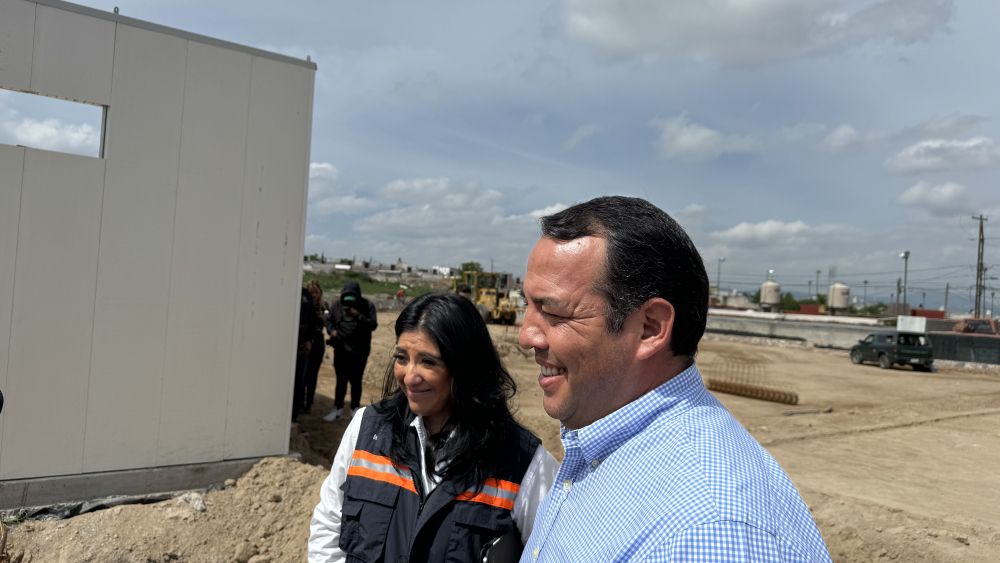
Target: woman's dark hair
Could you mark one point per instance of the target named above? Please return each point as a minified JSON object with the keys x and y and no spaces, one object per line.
{"x":480,"y":386}
{"x":648,"y":255}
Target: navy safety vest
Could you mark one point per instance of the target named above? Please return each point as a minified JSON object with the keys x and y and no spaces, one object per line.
{"x":384,"y":520}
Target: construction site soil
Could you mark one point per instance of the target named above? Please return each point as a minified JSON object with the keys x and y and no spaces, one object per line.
{"x":894,"y":464}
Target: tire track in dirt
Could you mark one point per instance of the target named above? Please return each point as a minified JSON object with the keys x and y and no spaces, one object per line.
{"x":878,"y":428}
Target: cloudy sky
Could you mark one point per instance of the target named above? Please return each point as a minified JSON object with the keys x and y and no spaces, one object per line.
{"x":784,"y":135}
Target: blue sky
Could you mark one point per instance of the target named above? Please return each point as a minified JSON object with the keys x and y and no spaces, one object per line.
{"x":796,"y":136}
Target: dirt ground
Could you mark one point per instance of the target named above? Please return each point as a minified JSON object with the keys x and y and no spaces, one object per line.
{"x":895,"y":464}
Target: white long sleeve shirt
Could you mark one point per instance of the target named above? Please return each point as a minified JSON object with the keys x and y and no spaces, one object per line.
{"x":324,"y":536}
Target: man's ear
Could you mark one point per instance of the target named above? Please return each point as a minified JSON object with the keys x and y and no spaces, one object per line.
{"x":657,"y":317}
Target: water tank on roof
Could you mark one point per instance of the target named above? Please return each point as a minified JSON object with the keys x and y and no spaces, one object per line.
{"x":770,"y":294}
{"x":838,"y":297}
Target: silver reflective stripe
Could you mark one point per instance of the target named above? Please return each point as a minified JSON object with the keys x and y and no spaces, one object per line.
{"x":497,"y":492}
{"x":380,"y":467}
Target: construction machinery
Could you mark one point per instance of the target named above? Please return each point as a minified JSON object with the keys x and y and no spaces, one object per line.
{"x":490,"y":294}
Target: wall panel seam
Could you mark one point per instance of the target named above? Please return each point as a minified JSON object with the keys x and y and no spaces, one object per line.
{"x":13,"y":285}
{"x":173,"y":252}
{"x":34,"y":46}
{"x":226,"y":446}
{"x":97,"y":270}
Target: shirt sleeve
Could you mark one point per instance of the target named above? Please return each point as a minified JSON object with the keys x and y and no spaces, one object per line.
{"x":324,"y":529}
{"x":724,"y":541}
{"x":534,"y":486}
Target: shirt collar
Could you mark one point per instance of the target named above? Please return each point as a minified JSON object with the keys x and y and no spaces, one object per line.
{"x":602,"y":437}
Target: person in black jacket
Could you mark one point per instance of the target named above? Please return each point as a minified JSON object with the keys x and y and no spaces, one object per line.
{"x":309,"y":323}
{"x":438,"y":470}
{"x":351,"y":322}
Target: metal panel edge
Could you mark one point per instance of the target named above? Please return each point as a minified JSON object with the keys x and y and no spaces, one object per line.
{"x":117,"y":18}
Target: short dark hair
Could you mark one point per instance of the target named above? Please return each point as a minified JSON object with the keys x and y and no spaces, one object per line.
{"x":480,"y":385}
{"x":648,"y":255}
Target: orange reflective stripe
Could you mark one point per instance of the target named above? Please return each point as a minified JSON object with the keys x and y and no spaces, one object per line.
{"x":380,"y":468}
{"x":383,"y":477}
{"x":484,"y":498}
{"x":495,"y":492}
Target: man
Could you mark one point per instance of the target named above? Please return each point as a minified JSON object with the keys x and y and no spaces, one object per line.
{"x":351,"y":322}
{"x":656,"y":469}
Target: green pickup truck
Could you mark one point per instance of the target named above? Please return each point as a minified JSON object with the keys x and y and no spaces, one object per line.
{"x":890,"y":348}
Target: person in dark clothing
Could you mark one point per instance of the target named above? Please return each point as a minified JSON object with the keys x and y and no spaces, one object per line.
{"x":309,"y":323}
{"x":318,"y":346}
{"x":350,"y":323}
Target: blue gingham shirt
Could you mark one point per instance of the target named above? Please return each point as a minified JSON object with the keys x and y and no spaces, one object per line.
{"x":671,"y":476}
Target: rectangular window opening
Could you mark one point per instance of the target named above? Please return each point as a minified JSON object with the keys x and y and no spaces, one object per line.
{"x":41,"y":122}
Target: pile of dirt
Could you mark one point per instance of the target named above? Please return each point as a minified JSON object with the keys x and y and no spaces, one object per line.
{"x":261,"y":518}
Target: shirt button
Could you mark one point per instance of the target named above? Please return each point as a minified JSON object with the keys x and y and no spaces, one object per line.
{"x":595,"y":463}
{"x":567,"y":485}
{"x":534,"y":553}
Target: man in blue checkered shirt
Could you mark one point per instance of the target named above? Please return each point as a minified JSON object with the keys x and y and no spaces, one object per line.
{"x":656,"y":469}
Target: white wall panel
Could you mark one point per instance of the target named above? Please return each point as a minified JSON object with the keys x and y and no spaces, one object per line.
{"x":203,"y":273}
{"x":143,"y":150}
{"x":17,"y":32}
{"x":73,"y":56}
{"x":53,"y":314}
{"x":11,"y":162}
{"x":270,"y":271}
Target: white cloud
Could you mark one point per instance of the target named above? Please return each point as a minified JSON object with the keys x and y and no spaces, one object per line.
{"x":769,"y":231}
{"x":681,"y":139}
{"x":549,"y":210}
{"x":743,"y":32}
{"x":443,"y":221}
{"x":51,"y":134}
{"x":842,"y":137}
{"x":581,"y":134}
{"x":945,"y":154}
{"x":693,"y":209}
{"x":945,"y":199}
{"x":328,"y":197}
{"x":441,"y":193}
{"x":946,"y":126}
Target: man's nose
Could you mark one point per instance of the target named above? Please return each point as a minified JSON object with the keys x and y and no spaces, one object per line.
{"x":531,"y":335}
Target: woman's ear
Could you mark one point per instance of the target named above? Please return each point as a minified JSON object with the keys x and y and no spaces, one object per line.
{"x":657,"y":317}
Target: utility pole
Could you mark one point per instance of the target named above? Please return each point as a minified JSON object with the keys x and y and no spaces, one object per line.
{"x":899,"y":284}
{"x":905,"y":255}
{"x":817,"y":285}
{"x":980,"y":273}
{"x":718,"y":281}
{"x":947,"y":286}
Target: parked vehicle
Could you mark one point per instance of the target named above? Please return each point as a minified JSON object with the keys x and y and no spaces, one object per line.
{"x":978,"y":326}
{"x":894,"y":348}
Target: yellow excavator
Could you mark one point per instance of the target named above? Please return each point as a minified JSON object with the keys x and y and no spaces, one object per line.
{"x":490,"y":294}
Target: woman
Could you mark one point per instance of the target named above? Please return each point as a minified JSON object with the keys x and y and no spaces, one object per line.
{"x":438,"y":468}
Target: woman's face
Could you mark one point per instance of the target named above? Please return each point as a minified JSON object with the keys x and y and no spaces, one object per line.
{"x":423,"y":377}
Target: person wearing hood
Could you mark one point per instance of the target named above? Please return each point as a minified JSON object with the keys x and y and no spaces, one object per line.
{"x":351,"y":322}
